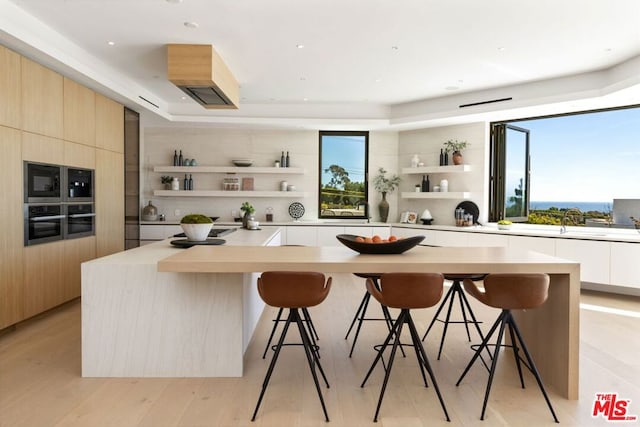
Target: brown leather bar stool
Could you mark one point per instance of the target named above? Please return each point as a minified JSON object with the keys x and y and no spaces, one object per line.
{"x":294,"y":290}
{"x":362,"y":310}
{"x":406,"y":291}
{"x":306,"y":317}
{"x":455,"y":291}
{"x":509,"y":292}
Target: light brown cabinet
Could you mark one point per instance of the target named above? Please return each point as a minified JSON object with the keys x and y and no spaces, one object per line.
{"x":109,"y":124}
{"x":79,"y":155}
{"x":39,"y":148}
{"x":42,"y":107}
{"x":11,"y":105}
{"x":79,"y":113}
{"x":43,"y":277}
{"x":11,"y":240}
{"x":109,"y":202}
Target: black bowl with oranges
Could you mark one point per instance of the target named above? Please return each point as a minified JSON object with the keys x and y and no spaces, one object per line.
{"x":377,"y":245}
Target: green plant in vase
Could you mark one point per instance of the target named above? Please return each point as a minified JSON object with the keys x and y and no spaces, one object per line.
{"x":385,"y":185}
{"x":455,"y":147}
{"x":248,"y":210}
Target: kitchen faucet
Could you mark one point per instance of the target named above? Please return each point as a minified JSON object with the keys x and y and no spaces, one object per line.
{"x":563,"y":222}
{"x":366,"y":210}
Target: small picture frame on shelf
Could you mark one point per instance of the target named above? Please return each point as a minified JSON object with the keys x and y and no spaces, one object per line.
{"x":403,"y":217}
{"x":412,"y":217}
{"x":247,"y":184}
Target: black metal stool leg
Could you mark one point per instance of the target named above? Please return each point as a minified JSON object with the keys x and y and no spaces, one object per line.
{"x":494,"y":363}
{"x":390,"y":335}
{"x":387,"y":373}
{"x":309,"y":322}
{"x":360,"y":320}
{"x":267,"y":377}
{"x":462,"y":308}
{"x":419,"y":348}
{"x":273,"y":331}
{"x":365,"y":298}
{"x":482,"y":346}
{"x":442,"y":304}
{"x":514,"y":346}
{"x":534,"y":370}
{"x":446,"y":325}
{"x":311,"y":359}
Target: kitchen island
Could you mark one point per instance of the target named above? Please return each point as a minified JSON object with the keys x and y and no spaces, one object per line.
{"x":552,"y":331}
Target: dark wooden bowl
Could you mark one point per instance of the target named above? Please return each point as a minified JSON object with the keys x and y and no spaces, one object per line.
{"x":397,"y":247}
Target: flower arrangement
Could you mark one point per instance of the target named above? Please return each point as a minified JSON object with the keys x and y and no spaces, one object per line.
{"x":166,"y":179}
{"x":453,"y":145}
{"x":383,"y":184}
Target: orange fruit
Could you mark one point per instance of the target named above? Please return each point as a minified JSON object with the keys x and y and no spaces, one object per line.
{"x":368,"y":240}
{"x":376,"y":239}
{"x":392,"y":238}
{"x":359,"y":239}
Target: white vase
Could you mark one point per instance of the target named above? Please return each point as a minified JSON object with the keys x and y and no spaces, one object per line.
{"x":197,"y":232}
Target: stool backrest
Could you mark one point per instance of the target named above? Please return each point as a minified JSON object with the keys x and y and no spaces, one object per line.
{"x":512,"y":291}
{"x":408,"y":290}
{"x":289,"y":289}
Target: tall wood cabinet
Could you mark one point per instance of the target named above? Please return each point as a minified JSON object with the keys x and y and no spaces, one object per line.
{"x":11,"y":240}
{"x":11,"y":104}
{"x":47,"y":118}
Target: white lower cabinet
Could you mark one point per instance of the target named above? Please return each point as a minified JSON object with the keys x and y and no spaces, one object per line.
{"x":542,"y":245}
{"x":593,"y":257}
{"x":450,"y":238}
{"x":300,"y":235}
{"x":326,"y":235}
{"x":625,"y":264}
{"x":487,"y":240}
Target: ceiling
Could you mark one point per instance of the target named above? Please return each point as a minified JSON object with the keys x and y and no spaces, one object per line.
{"x":375,"y":64}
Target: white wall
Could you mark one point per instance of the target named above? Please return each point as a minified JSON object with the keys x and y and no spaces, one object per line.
{"x":427,"y":143}
{"x":217,"y":147}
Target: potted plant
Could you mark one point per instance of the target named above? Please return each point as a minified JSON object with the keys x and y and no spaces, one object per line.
{"x":196,"y":226}
{"x":248,"y":210}
{"x":385,"y":185}
{"x":454,"y":146}
{"x":166,"y":180}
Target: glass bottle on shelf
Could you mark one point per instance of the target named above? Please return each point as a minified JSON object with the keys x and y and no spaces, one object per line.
{"x":286,"y":161}
{"x":282,"y":160}
{"x":185,"y":183}
{"x":190,"y":182}
{"x":175,"y":157}
{"x":180,"y":159}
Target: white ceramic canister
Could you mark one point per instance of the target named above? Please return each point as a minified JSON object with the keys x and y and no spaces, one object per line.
{"x":283,"y":185}
{"x":175,"y":184}
{"x":444,"y":185}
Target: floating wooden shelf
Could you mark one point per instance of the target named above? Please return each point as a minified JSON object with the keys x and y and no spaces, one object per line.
{"x":437,"y":169}
{"x":230,"y":169}
{"x":436,"y":195}
{"x":219,"y":193}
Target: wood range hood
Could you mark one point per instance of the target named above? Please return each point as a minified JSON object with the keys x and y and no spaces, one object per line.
{"x":200,"y":72}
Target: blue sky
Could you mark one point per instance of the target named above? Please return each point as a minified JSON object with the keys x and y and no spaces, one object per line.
{"x":588,"y":157}
{"x":346,"y":151}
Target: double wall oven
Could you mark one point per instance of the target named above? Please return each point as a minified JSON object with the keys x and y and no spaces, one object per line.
{"x":58,"y":203}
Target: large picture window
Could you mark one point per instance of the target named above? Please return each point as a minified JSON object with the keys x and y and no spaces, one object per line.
{"x":571,"y":169}
{"x":343,"y":174}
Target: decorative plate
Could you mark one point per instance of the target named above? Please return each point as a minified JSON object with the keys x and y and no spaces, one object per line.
{"x":296,"y":210}
{"x":397,"y":247}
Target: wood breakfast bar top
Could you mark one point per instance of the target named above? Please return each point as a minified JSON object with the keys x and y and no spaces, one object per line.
{"x":551,"y":331}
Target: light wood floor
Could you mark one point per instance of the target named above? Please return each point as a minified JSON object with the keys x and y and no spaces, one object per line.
{"x":40,"y":383}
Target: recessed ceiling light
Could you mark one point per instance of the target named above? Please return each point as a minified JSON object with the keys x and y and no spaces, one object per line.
{"x":378,"y":80}
{"x":191,"y":24}
{"x":305,"y":99}
{"x":300,"y":46}
{"x":182,"y":97}
{"x":110,"y":43}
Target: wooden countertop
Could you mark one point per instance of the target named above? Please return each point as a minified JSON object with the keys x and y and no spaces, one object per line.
{"x":244,"y":259}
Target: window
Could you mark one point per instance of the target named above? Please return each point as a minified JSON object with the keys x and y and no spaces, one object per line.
{"x":543,"y":168}
{"x":343,"y":174}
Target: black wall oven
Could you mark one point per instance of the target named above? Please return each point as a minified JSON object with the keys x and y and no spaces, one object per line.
{"x":43,"y":223}
{"x":58,"y":203}
{"x":80,"y":220}
{"x":42,"y":183}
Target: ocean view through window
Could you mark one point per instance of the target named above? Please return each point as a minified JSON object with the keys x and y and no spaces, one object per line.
{"x":585,"y":160}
